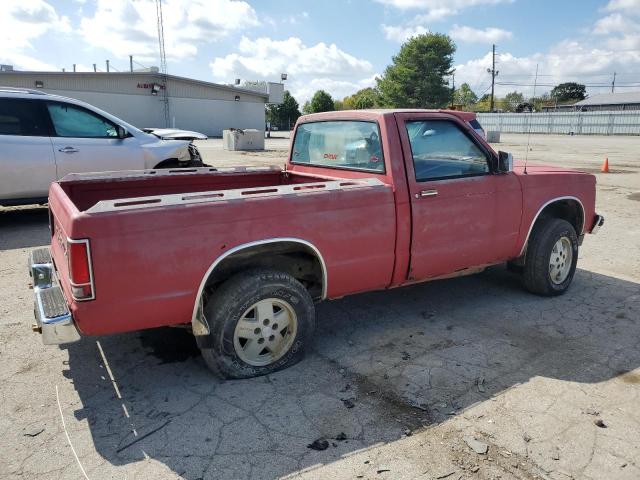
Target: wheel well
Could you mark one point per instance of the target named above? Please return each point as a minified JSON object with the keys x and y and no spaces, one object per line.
{"x":167,"y":163}
{"x":567,"y":209}
{"x":299,"y":260}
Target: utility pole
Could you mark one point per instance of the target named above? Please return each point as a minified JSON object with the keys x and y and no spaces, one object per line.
{"x":163,"y":63}
{"x":613,"y":84}
{"x":494,"y":74}
{"x":453,"y":88}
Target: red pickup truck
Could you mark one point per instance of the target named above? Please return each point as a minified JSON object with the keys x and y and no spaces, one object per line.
{"x":368,"y":200}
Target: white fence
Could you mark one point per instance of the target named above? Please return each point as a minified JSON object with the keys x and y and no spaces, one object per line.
{"x":578,"y":123}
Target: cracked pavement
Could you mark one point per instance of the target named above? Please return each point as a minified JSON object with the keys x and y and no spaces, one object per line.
{"x":551,"y":386}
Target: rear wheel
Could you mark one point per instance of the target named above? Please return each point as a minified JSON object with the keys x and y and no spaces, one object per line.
{"x":551,"y":257}
{"x":260,"y":321}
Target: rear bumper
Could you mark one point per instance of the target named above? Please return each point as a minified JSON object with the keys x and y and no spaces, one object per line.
{"x":598,"y":221}
{"x":53,"y":318}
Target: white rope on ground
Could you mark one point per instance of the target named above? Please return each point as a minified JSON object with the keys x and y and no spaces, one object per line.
{"x":64,"y":425}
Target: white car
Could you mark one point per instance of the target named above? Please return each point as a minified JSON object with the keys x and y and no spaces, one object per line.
{"x":44,"y":137}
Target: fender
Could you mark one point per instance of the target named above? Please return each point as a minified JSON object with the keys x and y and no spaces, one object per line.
{"x":535,"y":218}
{"x":196,"y":307}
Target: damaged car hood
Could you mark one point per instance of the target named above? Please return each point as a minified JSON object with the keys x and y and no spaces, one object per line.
{"x":175,"y":134}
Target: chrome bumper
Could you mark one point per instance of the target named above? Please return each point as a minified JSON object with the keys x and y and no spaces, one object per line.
{"x":597,"y":223}
{"x":53,"y":318}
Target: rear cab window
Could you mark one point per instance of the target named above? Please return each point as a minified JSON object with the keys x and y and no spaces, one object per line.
{"x":343,"y":144}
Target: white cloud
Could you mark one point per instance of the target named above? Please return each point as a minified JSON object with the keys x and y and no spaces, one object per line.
{"x":319,"y":66}
{"x":265,"y":58}
{"x":476,"y":35}
{"x":338,"y":89}
{"x":127,"y":27}
{"x":632,"y":6}
{"x":568,"y":60}
{"x":21,"y":22}
{"x":401,"y":33}
{"x":439,"y":9}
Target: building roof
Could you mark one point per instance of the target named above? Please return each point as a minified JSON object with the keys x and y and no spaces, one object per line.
{"x":611,"y":99}
{"x":142,"y":74}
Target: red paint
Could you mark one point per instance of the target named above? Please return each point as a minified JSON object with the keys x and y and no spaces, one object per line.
{"x":148,"y":263}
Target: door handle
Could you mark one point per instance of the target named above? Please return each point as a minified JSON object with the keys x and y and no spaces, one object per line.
{"x":68,"y":150}
{"x":427,"y":193}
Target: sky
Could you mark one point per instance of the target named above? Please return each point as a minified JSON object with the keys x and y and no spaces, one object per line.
{"x":338,"y":46}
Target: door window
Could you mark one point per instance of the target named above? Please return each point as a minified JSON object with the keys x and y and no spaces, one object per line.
{"x":22,"y":117}
{"x":349,"y":144}
{"x":441,"y":150}
{"x":72,"y":121}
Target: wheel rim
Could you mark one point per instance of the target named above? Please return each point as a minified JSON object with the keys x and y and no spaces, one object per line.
{"x":265,"y":332}
{"x":560,"y":260}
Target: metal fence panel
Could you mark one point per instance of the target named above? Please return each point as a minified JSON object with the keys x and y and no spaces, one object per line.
{"x":579,"y":123}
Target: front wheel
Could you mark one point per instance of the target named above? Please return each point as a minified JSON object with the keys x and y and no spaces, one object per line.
{"x":260,"y":321}
{"x":551,"y":258}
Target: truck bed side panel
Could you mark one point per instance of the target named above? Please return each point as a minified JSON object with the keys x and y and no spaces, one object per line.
{"x":148,"y":264}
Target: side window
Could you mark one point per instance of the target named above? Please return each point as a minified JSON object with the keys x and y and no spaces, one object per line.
{"x":71,"y":121}
{"x":22,"y":117}
{"x":349,"y":144}
{"x":441,"y":150}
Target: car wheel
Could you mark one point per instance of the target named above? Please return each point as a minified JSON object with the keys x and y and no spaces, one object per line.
{"x":552,"y":254}
{"x":260,"y":321}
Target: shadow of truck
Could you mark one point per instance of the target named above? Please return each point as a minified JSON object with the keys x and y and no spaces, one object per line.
{"x":382,"y":363}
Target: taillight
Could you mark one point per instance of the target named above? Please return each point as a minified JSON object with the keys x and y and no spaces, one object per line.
{"x":80,"y":274}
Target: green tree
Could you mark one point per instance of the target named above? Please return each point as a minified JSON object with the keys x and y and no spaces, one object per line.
{"x":417,"y":76}
{"x":285,"y":114}
{"x":569,"y":91}
{"x":338,"y":105}
{"x":365,"y":98}
{"x":510,"y":101}
{"x":320,"y":102}
{"x":464,"y":95}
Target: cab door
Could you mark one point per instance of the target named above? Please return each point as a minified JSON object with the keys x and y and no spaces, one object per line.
{"x":463,"y":214}
{"x":27,"y":164}
{"x":84,"y":141}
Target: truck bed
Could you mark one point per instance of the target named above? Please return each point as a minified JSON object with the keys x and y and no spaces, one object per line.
{"x":176,"y":224}
{"x":108,"y":191}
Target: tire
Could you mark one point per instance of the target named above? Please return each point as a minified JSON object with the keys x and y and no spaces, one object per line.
{"x":233,"y":305}
{"x":547,"y":271}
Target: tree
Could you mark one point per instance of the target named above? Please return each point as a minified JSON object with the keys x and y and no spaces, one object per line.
{"x":285,"y":114}
{"x":365,"y":98}
{"x":464,"y":95}
{"x":417,"y":76}
{"x":320,"y":102}
{"x":338,"y":105}
{"x":569,"y":91}
{"x":510,"y":101}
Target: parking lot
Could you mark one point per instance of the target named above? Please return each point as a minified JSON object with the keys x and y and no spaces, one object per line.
{"x":405,"y":384}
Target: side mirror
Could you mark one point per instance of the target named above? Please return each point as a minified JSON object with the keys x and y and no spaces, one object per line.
{"x":122,"y":132}
{"x":505,"y":162}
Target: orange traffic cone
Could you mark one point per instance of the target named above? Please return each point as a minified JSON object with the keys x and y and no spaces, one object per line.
{"x":605,"y":166}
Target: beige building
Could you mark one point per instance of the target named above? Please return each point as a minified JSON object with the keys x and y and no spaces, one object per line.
{"x":139,"y":98}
